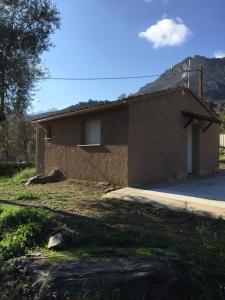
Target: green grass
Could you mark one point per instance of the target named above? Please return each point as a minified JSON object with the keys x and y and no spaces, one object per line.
{"x":23,"y":176}
{"x":26,"y":196}
{"x":21,"y":229}
{"x":115,"y":229}
{"x":100,"y":252}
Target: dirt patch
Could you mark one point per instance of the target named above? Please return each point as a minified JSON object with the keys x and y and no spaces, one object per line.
{"x":112,"y":228}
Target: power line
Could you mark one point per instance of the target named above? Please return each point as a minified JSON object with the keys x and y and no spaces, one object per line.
{"x":108,"y":78}
{"x":96,"y":78}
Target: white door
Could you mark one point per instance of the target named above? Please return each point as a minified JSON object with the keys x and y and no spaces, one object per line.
{"x":189,"y":151}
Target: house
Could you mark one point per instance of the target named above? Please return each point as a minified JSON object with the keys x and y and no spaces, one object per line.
{"x":150,"y":138}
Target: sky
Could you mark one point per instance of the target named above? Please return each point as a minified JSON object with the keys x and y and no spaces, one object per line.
{"x":116,"y":38}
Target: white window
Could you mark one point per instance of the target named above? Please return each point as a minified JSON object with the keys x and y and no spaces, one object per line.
{"x":92,"y":132}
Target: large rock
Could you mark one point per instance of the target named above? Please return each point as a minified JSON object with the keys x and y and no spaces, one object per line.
{"x":53,"y":176}
{"x":37,"y":278}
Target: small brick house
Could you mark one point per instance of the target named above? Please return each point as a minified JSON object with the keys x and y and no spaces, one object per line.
{"x":150,"y":138}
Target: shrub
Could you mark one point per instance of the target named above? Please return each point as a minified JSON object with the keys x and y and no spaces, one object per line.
{"x":11,"y":217}
{"x":9,"y":169}
{"x":16,"y":243}
{"x":23,"y":228}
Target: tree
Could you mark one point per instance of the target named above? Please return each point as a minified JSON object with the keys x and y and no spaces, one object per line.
{"x":25,"y":30}
{"x":17,"y":139}
{"x":5,"y":140}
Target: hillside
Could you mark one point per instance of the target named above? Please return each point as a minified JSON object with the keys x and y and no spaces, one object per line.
{"x":68,"y":109}
{"x":213,"y":78}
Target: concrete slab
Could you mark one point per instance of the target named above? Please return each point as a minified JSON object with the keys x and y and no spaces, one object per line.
{"x":203,"y":195}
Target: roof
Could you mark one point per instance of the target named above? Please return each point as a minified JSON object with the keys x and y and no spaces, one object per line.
{"x":200,"y":117}
{"x":119,"y":103}
{"x":83,"y":110}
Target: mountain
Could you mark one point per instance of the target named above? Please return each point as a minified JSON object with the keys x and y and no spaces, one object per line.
{"x":213,"y":78}
{"x":213,"y":83}
{"x":43,"y":113}
{"x":68,"y":109}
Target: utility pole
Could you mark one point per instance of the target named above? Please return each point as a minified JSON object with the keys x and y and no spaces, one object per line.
{"x":188,"y":73}
{"x":200,"y":83}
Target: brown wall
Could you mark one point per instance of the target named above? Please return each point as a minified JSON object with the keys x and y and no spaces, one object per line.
{"x":108,"y":162}
{"x":209,"y":150}
{"x":158,"y":140}
{"x":145,"y":143}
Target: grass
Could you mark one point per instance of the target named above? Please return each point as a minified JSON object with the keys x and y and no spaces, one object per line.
{"x":26,"y":196}
{"x":23,"y":176}
{"x":117,"y":228}
{"x":21,"y":229}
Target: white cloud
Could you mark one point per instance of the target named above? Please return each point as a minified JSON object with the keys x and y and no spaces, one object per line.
{"x":219,"y":54}
{"x":167,"y":32}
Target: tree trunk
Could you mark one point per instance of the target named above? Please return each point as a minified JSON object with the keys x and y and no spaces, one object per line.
{"x":2,"y":91}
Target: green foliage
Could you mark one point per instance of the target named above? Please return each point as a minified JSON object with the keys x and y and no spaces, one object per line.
{"x":17,"y":140}
{"x":23,"y":176}
{"x":10,"y":169}
{"x":22,"y":228}
{"x":26,"y":196}
{"x":25,"y":30}
{"x":13,"y":216}
{"x":17,"y":242}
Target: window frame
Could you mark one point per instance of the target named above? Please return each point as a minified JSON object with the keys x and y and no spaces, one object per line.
{"x":84,"y":130}
{"x":52,"y":132}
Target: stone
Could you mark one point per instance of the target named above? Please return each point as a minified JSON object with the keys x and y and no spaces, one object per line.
{"x":34,"y":180}
{"x":102,"y":184}
{"x":35,"y":278}
{"x":111,"y":190}
{"x":56,"y":242}
{"x":53,"y":176}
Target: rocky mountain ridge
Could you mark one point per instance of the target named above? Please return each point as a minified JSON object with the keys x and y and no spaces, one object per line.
{"x":213,"y":77}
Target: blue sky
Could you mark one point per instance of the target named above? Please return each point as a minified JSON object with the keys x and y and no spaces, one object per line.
{"x":111,"y":38}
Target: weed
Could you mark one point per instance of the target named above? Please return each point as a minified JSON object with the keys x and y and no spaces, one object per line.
{"x":23,"y":176}
{"x":59,"y":197}
{"x":22,"y":228}
{"x":26,"y":196}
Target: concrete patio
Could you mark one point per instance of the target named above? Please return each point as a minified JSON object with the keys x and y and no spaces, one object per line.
{"x":204,"y":195}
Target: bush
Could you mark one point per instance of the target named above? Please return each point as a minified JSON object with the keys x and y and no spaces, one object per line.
{"x":23,"y":228}
{"x":9,"y":169}
{"x":16,"y":243}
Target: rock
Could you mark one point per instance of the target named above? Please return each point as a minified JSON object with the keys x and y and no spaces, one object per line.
{"x":111,"y":189}
{"x":102,"y":184}
{"x":34,"y":180}
{"x":53,"y":176}
{"x":90,"y":279}
{"x":56,"y":242}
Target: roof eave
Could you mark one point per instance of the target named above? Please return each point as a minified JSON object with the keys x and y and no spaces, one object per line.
{"x":97,"y":108}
